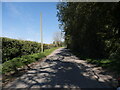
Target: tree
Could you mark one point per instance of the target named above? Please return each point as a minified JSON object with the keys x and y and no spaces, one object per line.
{"x":58,"y":38}
{"x":92,"y":29}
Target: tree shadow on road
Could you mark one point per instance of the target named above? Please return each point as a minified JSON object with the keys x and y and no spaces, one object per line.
{"x":62,"y":74}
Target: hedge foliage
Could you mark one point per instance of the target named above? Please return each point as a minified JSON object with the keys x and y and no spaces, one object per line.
{"x":15,"y":63}
{"x":12,"y":48}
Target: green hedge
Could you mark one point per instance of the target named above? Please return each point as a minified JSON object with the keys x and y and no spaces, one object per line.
{"x":12,"y":48}
{"x":15,"y":63}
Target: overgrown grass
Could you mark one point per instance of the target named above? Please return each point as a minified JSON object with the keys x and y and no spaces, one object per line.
{"x":15,"y":63}
{"x":106,"y":63}
{"x":112,"y":65}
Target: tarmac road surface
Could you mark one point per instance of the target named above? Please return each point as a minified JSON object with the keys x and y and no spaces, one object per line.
{"x":61,"y":69}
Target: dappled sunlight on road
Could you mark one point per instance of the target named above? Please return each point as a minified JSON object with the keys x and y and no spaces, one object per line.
{"x":60,"y":70}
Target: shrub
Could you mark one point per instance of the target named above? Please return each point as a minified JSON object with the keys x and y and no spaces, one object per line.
{"x":12,"y":48}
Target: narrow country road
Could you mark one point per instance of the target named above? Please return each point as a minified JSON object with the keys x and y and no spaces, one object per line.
{"x":61,"y":69}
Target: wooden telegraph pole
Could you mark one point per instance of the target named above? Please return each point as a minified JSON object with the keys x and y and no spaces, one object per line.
{"x":41,"y":32}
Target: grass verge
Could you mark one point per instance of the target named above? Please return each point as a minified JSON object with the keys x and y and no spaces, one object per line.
{"x":16,"y":63}
{"x":111,"y":65}
{"x":106,"y":63}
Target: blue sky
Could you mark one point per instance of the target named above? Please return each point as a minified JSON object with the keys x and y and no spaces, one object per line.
{"x":21,"y":20}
